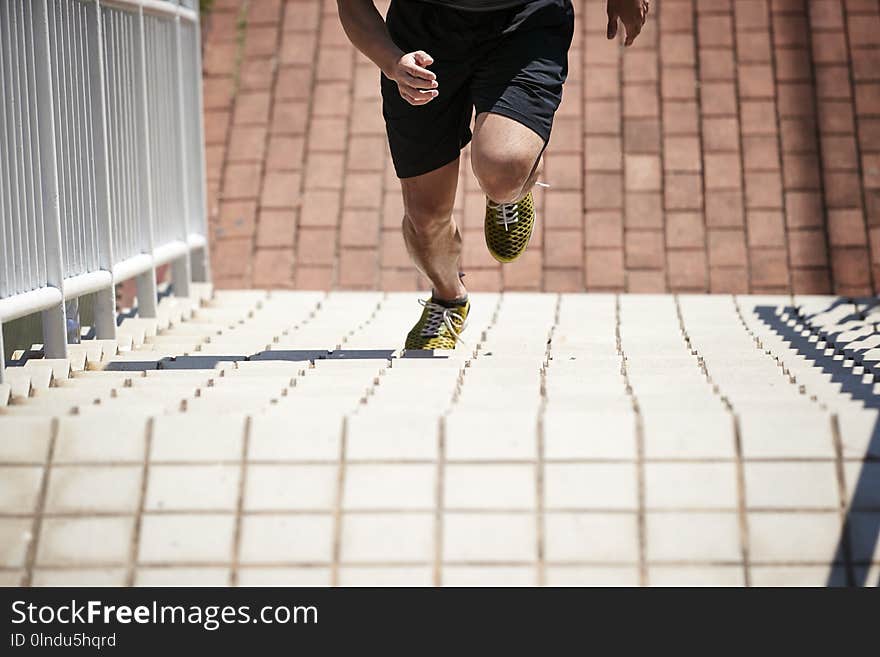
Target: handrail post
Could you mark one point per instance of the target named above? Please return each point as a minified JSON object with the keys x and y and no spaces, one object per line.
{"x":201,"y":264}
{"x":2,"y":357}
{"x":180,"y":268}
{"x":180,"y":275}
{"x":105,"y":299}
{"x":147,"y":295}
{"x":54,"y":318}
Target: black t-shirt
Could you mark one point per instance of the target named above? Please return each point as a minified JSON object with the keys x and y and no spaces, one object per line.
{"x":479,"y":5}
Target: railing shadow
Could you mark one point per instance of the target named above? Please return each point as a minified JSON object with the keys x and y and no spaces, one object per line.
{"x":860,"y":530}
{"x":196,"y":362}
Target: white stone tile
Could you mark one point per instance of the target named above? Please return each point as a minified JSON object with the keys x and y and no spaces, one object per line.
{"x":112,"y":488}
{"x":859,"y":433}
{"x":490,"y":576}
{"x":383,"y":487}
{"x":302,"y":538}
{"x":188,"y":576}
{"x":59,"y":367}
{"x":595,"y":434}
{"x":590,"y":486}
{"x":793,"y":537}
{"x":688,"y":435}
{"x":85,"y":438}
{"x":607,"y":537}
{"x":387,"y":537}
{"x":203,"y":538}
{"x":248,"y":384}
{"x":285,"y":576}
{"x":83,"y":541}
{"x":597,"y":402}
{"x":434,"y":364}
{"x":778,"y":434}
{"x":602,"y":375}
{"x":862,"y":484}
{"x":386,"y":576}
{"x":15,"y":537}
{"x":278,"y":436}
{"x":478,"y":486}
{"x":192,"y":488}
{"x":80,"y":577}
{"x":694,"y":536}
{"x":493,"y":403}
{"x":487,"y":537}
{"x":11,"y":578}
{"x":604,"y":576}
{"x":392,"y":435}
{"x":21,"y":383}
{"x":291,"y":487}
{"x":792,"y":485}
{"x":24,"y":439}
{"x":20,"y":488}
{"x":400,"y":396}
{"x":788,"y":576}
{"x":696,"y":576}
{"x":487,"y":436}
{"x":690,"y":485}
{"x":190,"y":437}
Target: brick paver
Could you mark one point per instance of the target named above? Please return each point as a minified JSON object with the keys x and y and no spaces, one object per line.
{"x":280,"y":438}
{"x":735,"y":148}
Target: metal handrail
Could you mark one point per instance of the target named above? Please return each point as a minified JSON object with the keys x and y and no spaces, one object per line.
{"x":102,"y":171}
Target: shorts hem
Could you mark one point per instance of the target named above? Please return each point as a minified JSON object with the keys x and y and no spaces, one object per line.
{"x":523,"y":119}
{"x":412,"y":171}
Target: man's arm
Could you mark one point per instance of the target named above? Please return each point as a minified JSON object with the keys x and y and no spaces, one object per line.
{"x":368,"y":33}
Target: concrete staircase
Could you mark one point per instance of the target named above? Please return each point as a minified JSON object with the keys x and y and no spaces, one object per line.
{"x":250,"y":437}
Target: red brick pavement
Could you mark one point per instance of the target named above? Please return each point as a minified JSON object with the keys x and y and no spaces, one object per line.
{"x":734,"y":148}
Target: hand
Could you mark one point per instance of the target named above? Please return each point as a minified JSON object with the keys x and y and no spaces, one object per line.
{"x":632,"y":13}
{"x":417,"y":85}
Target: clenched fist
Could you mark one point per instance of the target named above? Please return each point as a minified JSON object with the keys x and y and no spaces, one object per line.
{"x":417,"y":85}
{"x":632,"y":13}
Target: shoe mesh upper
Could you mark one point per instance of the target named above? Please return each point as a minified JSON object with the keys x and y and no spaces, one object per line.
{"x":431,"y":332}
{"x":507,"y":243}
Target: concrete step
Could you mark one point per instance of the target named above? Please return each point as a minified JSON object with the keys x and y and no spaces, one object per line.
{"x":648,"y":450}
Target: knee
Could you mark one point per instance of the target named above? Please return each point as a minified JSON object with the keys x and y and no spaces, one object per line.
{"x":501,"y":177}
{"x":427,"y":218}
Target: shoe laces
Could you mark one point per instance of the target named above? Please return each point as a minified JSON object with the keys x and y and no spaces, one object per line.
{"x":508,"y":213}
{"x":441,"y":315}
{"x":505,"y":213}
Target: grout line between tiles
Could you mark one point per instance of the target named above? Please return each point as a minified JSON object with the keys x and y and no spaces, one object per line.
{"x":844,"y":546}
{"x":131,"y":568}
{"x":440,"y":488}
{"x":37,"y":526}
{"x":337,"y":507}
{"x":240,"y":501}
{"x":640,"y":450}
{"x":742,"y":502}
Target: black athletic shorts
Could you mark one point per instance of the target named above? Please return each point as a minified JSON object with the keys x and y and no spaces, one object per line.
{"x":511,"y":62}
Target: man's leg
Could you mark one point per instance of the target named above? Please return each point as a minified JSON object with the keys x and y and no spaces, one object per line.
{"x":505,"y":155}
{"x":432,"y":237}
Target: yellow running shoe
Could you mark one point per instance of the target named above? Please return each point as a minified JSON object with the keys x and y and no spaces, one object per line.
{"x":508,"y":227}
{"x":439,"y":327}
